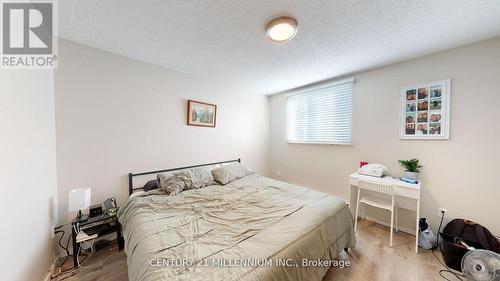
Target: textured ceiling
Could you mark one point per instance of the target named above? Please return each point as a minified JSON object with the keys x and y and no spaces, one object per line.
{"x":225,"y":40}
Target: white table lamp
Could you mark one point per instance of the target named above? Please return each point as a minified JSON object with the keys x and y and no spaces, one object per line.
{"x":79,"y":199}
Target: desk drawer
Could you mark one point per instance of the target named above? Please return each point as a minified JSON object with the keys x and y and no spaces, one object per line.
{"x":406,"y":192}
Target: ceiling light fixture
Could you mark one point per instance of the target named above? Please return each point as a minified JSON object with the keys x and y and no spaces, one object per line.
{"x":282,"y":29}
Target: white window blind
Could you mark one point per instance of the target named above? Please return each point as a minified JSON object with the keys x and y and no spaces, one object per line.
{"x":321,"y":114}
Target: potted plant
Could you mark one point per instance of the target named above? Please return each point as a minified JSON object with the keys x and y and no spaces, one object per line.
{"x":411,"y":168}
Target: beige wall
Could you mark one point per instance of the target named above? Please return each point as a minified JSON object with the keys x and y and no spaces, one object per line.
{"x":115,"y":115}
{"x":28,"y":173}
{"x":458,"y":174}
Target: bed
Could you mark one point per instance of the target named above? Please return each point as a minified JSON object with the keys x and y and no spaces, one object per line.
{"x":253,"y":228}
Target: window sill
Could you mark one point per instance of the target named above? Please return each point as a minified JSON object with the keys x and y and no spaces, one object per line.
{"x":320,"y":143}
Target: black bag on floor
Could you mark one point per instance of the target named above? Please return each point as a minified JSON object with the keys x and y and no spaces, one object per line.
{"x":472,"y":233}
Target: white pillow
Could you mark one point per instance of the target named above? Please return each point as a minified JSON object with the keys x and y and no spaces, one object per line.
{"x":231,"y":172}
{"x":184,"y":180}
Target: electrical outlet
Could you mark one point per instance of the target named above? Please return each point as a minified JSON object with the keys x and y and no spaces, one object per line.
{"x":443,"y":213}
{"x":278,"y":173}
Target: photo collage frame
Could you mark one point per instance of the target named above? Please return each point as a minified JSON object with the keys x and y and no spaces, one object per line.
{"x":425,"y":111}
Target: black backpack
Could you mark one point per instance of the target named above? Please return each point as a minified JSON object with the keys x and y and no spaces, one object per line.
{"x":472,"y":233}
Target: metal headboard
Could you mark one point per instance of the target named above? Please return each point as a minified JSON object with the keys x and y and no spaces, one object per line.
{"x":132,"y":175}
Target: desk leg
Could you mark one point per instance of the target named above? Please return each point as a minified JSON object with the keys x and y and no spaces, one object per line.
{"x":119,"y":237}
{"x":417,"y":228}
{"x":353,"y":195}
{"x":75,"y":247}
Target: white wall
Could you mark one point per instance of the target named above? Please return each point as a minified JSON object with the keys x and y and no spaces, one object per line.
{"x":28,"y":172}
{"x":115,"y":115}
{"x":458,"y":174}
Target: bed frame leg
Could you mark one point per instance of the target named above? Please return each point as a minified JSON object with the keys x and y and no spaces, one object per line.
{"x":346,"y":250}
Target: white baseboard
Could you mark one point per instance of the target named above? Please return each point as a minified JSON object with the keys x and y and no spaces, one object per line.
{"x":52,"y":267}
{"x":403,"y":229}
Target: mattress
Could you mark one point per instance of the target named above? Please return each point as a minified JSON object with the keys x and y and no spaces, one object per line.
{"x":254,"y":228}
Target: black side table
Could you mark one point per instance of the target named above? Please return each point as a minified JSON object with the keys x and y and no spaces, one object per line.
{"x":100,"y":225}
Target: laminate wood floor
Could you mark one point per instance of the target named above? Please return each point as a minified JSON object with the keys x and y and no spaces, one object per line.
{"x":372,"y":259}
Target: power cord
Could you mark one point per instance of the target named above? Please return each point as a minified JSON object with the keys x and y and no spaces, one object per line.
{"x":60,"y":239}
{"x":65,"y":249}
{"x":91,"y":247}
{"x":447,"y":270}
{"x":59,"y":270}
{"x":72,"y":271}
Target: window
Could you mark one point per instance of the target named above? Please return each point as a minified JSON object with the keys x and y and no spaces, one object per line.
{"x":321,"y":114}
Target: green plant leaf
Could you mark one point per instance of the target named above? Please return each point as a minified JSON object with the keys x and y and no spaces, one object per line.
{"x":410,"y":165}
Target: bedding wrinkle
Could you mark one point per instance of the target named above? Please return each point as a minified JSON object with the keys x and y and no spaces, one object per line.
{"x":250,"y":218}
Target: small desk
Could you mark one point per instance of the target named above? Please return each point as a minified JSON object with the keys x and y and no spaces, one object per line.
{"x":100,"y":225}
{"x":407,"y":195}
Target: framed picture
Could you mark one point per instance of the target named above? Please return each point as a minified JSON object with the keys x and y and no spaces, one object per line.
{"x":425,"y":111}
{"x":201,"y":114}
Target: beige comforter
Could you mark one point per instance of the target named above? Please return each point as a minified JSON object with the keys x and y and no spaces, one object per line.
{"x":254,"y":228}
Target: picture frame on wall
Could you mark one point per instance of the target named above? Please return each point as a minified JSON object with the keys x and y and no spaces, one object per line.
{"x":201,"y":114}
{"x":425,"y":111}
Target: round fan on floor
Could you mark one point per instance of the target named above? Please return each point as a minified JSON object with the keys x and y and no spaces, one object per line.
{"x":481,"y":265}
